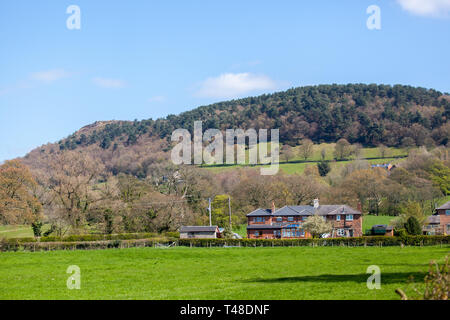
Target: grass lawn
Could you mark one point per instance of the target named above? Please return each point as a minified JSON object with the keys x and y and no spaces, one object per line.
{"x":370,"y":220}
{"x":292,"y":167}
{"x":215,"y":273}
{"x":19,"y":231}
{"x":241,"y":230}
{"x":297,"y":167}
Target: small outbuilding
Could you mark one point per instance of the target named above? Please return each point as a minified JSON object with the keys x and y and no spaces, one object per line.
{"x":199,"y":232}
{"x":382,"y":230}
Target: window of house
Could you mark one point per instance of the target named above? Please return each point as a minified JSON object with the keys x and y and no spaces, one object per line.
{"x":448,"y":228}
{"x":349,"y":217}
{"x":290,"y":219}
{"x":279,"y":219}
{"x":256,"y":233}
{"x":338,"y":217}
{"x":340,"y":232}
{"x":447,"y":212}
{"x":260,"y":219}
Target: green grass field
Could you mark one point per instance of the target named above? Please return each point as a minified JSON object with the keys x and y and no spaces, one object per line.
{"x":19,"y":231}
{"x":215,"y":273}
{"x":370,"y":220}
{"x":293,"y":166}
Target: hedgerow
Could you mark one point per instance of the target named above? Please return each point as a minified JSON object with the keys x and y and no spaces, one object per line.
{"x":127,"y":241}
{"x":352,"y":242}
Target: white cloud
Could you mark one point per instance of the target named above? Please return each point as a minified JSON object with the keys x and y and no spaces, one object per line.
{"x":231,"y":85}
{"x":108,"y":83}
{"x":431,"y":8}
{"x":50,"y":75}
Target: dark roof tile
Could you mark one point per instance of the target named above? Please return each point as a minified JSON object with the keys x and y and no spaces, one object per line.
{"x":198,"y":229}
{"x":260,"y":213}
{"x":445,"y":206}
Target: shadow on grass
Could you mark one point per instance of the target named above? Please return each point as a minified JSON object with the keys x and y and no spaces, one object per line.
{"x":386,"y":278}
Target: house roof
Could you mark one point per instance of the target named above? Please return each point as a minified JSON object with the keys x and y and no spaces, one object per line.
{"x":444,"y":206}
{"x":382,"y":227}
{"x":198,"y":229}
{"x":436,"y":219}
{"x":322,"y":210}
{"x":260,"y":212}
{"x":334,"y":209}
{"x":294,"y":211}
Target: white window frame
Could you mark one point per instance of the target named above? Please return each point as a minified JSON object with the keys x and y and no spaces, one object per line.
{"x":338,"y":217}
{"x":349,"y":217}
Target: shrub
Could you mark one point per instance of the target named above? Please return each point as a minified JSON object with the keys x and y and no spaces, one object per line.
{"x":323,"y":167}
{"x":437,"y":284}
{"x":412,"y":226}
{"x":37,"y":228}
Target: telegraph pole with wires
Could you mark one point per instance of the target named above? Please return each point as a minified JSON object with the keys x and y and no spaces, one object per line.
{"x":229,"y":208}
{"x":209,"y":209}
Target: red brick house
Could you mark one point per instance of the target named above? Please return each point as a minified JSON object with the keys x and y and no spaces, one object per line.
{"x":286,"y":222}
{"x":439,"y":222}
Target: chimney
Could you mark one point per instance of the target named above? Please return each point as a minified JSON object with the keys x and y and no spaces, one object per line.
{"x":316,"y":203}
{"x":273,"y":206}
{"x":359,"y":207}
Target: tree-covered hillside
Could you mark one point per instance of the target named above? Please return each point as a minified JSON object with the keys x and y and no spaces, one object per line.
{"x":367,"y":114}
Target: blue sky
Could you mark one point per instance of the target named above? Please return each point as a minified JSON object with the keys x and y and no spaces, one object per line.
{"x":147,"y":59}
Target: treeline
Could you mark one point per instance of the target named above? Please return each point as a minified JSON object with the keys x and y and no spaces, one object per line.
{"x":74,"y":193}
{"x":366,"y":114}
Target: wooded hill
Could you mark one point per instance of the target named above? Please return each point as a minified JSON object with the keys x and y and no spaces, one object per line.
{"x":366,"y":114}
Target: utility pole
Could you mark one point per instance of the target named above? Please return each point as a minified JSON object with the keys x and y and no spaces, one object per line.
{"x":229,"y":208}
{"x":209,"y":209}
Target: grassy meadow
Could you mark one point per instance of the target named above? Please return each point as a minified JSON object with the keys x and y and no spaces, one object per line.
{"x":296,"y":164}
{"x":19,"y":231}
{"x":215,"y":273}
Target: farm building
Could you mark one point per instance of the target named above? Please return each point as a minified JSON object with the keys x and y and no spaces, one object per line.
{"x":199,"y":232}
{"x":382,"y":230}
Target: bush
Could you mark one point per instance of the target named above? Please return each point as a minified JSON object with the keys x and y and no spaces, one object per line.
{"x":400,"y":233}
{"x":323,"y":167}
{"x":37,"y":228}
{"x":413,"y":227}
{"x":173,"y":234}
{"x":437,"y":284}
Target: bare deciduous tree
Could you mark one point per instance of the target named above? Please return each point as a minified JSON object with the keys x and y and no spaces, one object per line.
{"x":306,"y":148}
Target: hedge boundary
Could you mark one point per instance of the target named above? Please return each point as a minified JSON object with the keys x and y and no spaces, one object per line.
{"x":6,"y":246}
{"x":124,"y":241}
{"x":349,"y":242}
{"x":94,"y":237}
